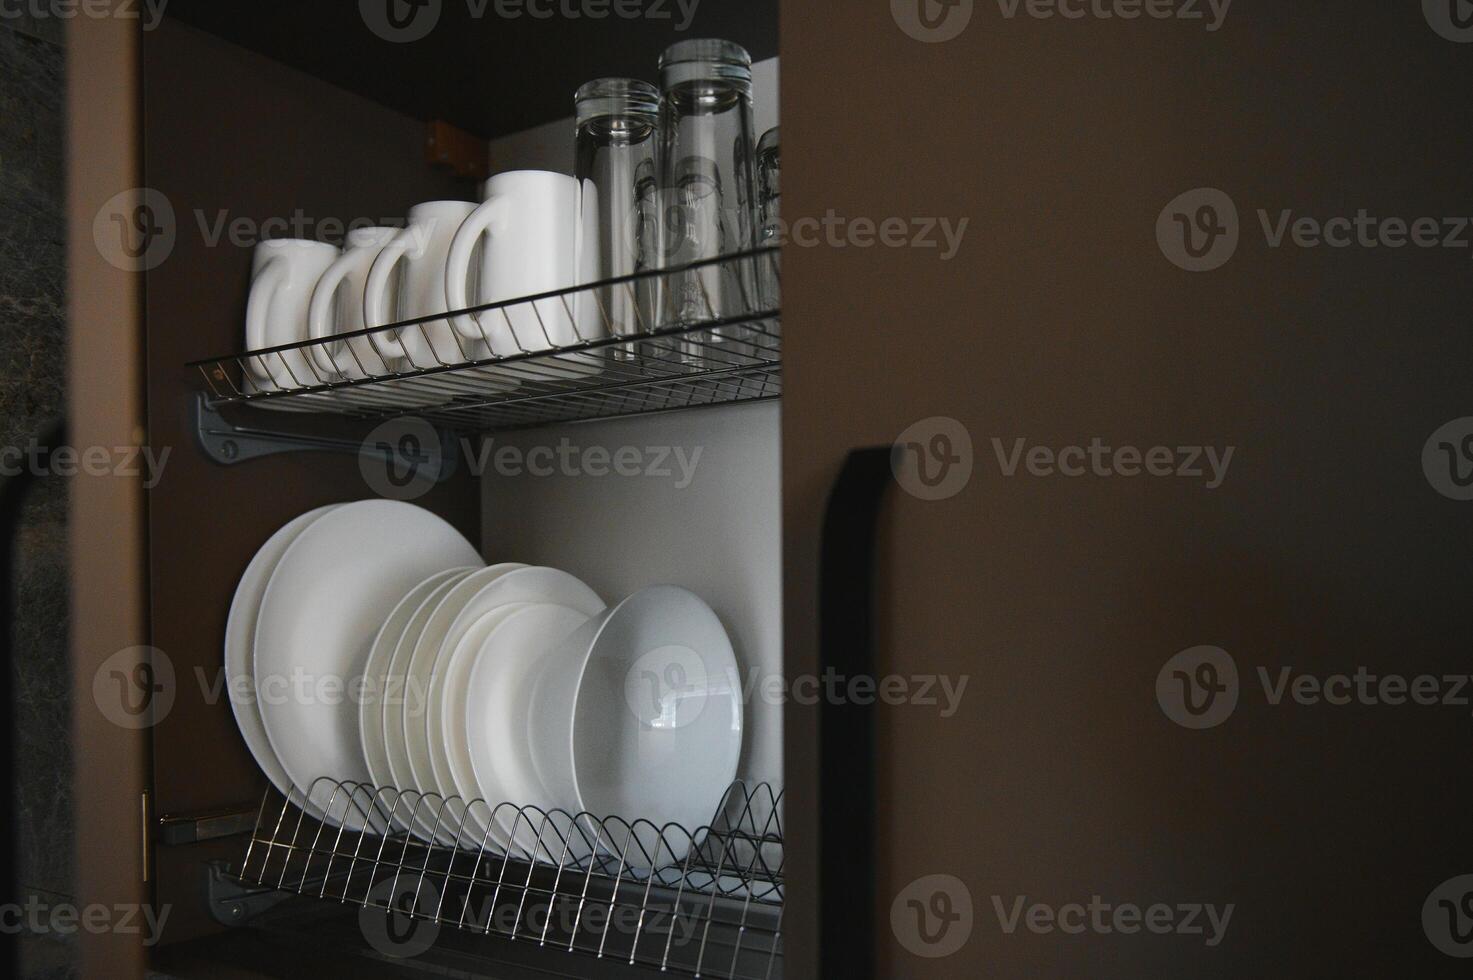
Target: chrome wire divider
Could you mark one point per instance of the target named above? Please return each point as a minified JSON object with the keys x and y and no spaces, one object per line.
{"x":704,"y":902}
{"x":700,"y":334}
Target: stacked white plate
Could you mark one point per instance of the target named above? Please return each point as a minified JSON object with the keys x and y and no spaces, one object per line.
{"x":404,"y":686}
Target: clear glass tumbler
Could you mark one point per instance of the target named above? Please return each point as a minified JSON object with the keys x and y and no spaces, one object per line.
{"x":615,"y":159}
{"x":769,"y":215}
{"x":707,"y":181}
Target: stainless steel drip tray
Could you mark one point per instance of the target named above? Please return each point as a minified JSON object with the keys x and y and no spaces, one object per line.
{"x":626,"y":898}
{"x":310,"y":939}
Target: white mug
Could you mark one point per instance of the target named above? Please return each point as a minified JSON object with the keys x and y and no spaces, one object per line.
{"x":530,"y":226}
{"x":284,"y":272}
{"x":337,"y":307}
{"x":422,"y":248}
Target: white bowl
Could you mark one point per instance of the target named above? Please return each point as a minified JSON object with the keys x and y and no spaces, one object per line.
{"x":638,"y":716}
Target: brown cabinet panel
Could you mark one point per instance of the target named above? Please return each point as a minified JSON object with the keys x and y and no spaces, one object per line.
{"x":106,"y":518}
{"x":1060,"y":320}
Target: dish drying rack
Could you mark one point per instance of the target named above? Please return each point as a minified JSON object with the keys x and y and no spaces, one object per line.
{"x":723,"y":344}
{"x":704,"y":902}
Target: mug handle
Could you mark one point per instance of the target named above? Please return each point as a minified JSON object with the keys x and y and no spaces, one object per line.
{"x":320,"y":313}
{"x":375,"y":293}
{"x":258,"y":307}
{"x":457,"y":276}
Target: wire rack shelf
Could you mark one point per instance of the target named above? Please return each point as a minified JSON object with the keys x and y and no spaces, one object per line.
{"x":700,"y":334}
{"x":705,"y":902}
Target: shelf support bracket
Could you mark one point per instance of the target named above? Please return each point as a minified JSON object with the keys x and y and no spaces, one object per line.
{"x":233,"y":903}
{"x":406,"y":445}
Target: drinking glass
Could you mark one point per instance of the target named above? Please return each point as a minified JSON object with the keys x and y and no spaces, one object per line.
{"x":769,"y":231}
{"x":614,"y":163}
{"x":707,"y":180}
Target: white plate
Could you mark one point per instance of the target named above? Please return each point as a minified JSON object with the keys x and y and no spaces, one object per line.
{"x":321,"y":611}
{"x":441,"y":815}
{"x":240,"y":636}
{"x":409,"y":806}
{"x":476,"y":594}
{"x":405,"y":725}
{"x":639,"y":716}
{"x":455,"y":667}
{"x":493,"y":712}
{"x":375,"y":687}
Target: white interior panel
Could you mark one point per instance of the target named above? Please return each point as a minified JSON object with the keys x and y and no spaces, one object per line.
{"x":704,"y":513}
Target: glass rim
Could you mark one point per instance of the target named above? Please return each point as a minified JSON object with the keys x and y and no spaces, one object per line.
{"x":604,"y":88}
{"x":706,"y":49}
{"x":613,"y":98}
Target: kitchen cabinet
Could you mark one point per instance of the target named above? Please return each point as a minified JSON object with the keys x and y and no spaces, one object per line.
{"x":235,"y":136}
{"x":1130,"y":425}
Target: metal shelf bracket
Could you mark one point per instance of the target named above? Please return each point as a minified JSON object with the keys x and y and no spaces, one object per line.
{"x":229,"y":443}
{"x":233,"y":903}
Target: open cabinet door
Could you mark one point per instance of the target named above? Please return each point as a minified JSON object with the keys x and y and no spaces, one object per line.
{"x":105,"y":407}
{"x":1163,"y":760}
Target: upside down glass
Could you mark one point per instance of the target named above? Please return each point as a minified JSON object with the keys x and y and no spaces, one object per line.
{"x":615,"y":160}
{"x":707,"y":181}
{"x":769,"y":231}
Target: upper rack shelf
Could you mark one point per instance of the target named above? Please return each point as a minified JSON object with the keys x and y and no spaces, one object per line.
{"x":699,"y":334}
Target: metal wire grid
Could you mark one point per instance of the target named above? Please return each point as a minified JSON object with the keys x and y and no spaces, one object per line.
{"x":705,"y":903}
{"x":699,"y":334}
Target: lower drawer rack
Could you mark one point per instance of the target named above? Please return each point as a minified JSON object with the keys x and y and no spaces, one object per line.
{"x":704,"y":902}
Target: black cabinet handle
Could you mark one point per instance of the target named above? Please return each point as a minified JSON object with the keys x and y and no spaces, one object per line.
{"x":847,"y":741}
